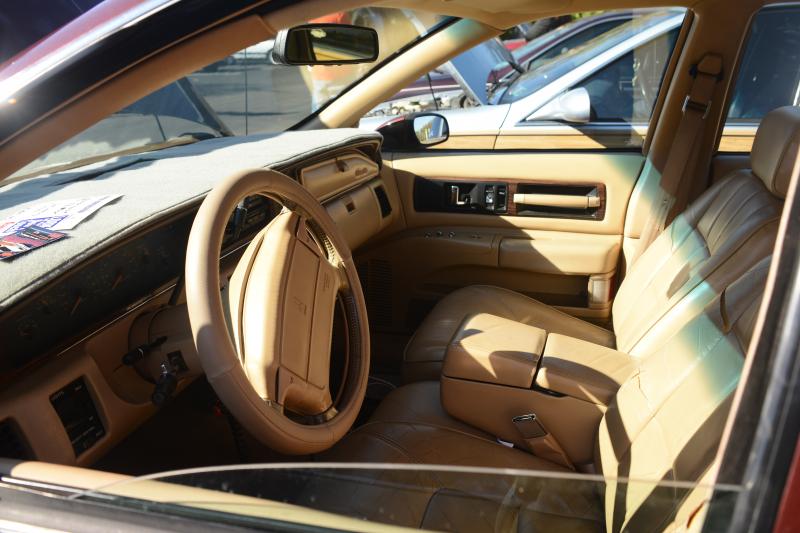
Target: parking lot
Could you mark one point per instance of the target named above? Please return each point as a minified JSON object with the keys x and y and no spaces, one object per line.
{"x":255,"y":97}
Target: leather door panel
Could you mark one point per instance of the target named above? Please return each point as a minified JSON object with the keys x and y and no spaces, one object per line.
{"x":567,"y":261}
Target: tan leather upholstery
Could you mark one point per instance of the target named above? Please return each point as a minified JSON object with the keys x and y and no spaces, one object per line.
{"x":664,"y":424}
{"x":693,"y":297}
{"x":492,"y":408}
{"x":583,"y":370}
{"x":723,"y":233}
{"x":668,"y":418}
{"x":410,"y":426}
{"x":775,"y":148}
{"x":492,"y":349}
{"x":425,"y":352}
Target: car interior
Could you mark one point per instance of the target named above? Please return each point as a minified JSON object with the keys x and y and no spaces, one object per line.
{"x":324,"y":295}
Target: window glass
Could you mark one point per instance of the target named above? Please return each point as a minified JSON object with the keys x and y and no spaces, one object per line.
{"x":618,"y":58}
{"x":574,"y":41}
{"x":424,"y":497}
{"x":770,"y":68}
{"x":481,"y":75}
{"x":626,"y":90}
{"x":769,"y":75}
{"x":243,"y":94}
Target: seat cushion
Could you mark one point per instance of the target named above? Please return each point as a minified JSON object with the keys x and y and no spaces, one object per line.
{"x":425,"y":352}
{"x":410,"y":426}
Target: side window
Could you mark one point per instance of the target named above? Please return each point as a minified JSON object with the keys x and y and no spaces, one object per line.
{"x":471,"y":78}
{"x":616,"y":59}
{"x":769,"y":75}
{"x":626,"y":90}
{"x":575,"y":41}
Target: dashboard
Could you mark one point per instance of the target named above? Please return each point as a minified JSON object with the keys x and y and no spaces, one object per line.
{"x":67,"y":397}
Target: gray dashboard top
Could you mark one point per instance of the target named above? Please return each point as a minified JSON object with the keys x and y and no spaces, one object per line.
{"x":152,"y":185}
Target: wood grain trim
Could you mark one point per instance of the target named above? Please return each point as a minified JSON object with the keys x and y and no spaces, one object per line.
{"x":566,"y":142}
{"x":736,"y":143}
{"x":513,"y":184}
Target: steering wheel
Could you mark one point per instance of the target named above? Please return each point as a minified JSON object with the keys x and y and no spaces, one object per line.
{"x":269,"y":362}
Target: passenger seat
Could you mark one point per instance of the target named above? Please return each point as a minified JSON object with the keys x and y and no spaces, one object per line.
{"x":719,"y":237}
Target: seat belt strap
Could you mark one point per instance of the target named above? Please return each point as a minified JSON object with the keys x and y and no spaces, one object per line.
{"x":683,"y":152}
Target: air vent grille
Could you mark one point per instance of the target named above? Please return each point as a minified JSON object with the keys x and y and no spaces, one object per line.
{"x":12,"y":444}
{"x":376,"y":280}
{"x":383,"y":201}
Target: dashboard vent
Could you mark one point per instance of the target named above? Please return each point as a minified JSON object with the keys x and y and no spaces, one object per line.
{"x":383,"y":201}
{"x":12,"y":444}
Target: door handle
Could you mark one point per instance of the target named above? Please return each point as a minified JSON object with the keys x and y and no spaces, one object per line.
{"x":558,"y":200}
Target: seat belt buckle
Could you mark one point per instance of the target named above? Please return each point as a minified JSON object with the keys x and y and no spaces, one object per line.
{"x":529,"y":426}
{"x":688,"y":103}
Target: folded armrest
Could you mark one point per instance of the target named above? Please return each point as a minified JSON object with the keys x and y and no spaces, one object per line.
{"x":582,"y":369}
{"x":492,"y":349}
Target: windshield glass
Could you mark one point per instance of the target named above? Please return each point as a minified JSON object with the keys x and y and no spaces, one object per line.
{"x":353,"y":496}
{"x":243,"y":94}
{"x":549,"y":69}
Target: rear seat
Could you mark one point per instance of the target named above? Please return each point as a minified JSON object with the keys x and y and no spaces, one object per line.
{"x":719,"y":237}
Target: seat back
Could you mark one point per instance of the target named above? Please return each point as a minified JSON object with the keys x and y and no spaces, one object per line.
{"x":720,"y":236}
{"x":667,"y":419}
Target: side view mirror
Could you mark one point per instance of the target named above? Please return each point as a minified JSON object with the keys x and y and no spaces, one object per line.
{"x":431,"y":129}
{"x":573,"y":106}
{"x":325,"y":44}
{"x":412,"y":132}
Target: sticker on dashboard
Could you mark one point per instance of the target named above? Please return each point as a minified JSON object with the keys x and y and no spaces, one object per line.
{"x":55,"y":215}
{"x":27,"y":239}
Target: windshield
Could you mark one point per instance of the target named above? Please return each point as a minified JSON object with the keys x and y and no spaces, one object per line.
{"x":552,"y":68}
{"x":243,"y":94}
{"x":357,"y":497}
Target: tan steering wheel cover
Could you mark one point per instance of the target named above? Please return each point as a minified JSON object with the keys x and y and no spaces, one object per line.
{"x":214,"y":346}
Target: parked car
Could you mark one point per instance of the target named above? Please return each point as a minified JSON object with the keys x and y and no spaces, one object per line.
{"x":569,"y":88}
{"x":567,"y":95}
{"x":444,"y":87}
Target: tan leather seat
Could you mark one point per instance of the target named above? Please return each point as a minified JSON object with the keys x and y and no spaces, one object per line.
{"x":425,"y":352}
{"x":665,"y":423}
{"x":722,"y":234}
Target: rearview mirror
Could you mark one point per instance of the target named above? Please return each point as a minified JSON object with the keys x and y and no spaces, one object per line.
{"x":573,"y":106}
{"x":325,"y":44}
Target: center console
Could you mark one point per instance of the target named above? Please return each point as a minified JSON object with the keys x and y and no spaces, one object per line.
{"x":525,"y":386}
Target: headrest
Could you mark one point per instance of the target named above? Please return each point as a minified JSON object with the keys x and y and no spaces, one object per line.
{"x":775,"y":148}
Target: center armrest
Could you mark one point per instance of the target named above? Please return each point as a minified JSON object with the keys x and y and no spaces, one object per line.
{"x":492,"y":349}
{"x":498,"y":370}
{"x":582,"y":369}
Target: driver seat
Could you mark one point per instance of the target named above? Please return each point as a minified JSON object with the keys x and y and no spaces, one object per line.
{"x":665,"y":423}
